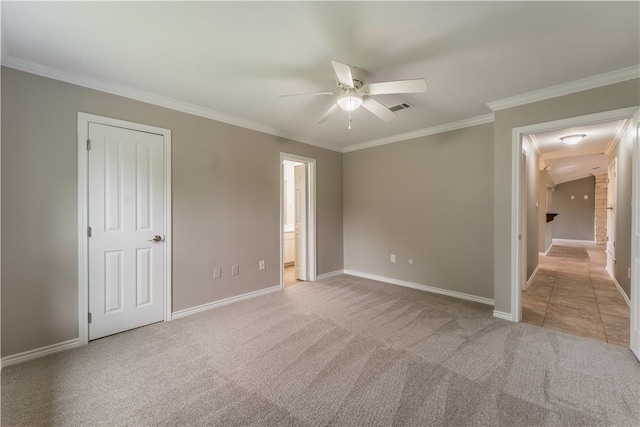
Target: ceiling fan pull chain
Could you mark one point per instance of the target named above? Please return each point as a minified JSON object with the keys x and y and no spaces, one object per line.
{"x":349,"y":119}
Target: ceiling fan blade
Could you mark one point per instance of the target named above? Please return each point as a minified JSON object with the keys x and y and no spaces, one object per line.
{"x":326,"y":115}
{"x":306,"y":94}
{"x":378,"y":109}
{"x":400,"y":86}
{"x":343,"y":73}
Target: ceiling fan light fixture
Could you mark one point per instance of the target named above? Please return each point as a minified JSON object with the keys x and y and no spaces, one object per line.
{"x":572,"y":139}
{"x":349,"y":102}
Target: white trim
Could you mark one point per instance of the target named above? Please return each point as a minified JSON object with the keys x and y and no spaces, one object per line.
{"x":154,"y":99}
{"x":426,"y":288}
{"x":83,"y":212}
{"x":605,"y":116}
{"x":211,"y":305}
{"x":312,"y":259}
{"x":461,"y":124}
{"x":599,"y":80}
{"x":330,"y":274}
{"x":545,"y":253}
{"x":622,"y":292}
{"x":39,"y":352}
{"x":620,"y":129}
{"x":634,"y":281}
{"x":502,"y":315}
{"x":533,"y":276}
{"x":516,"y":152}
{"x":516,"y":219}
{"x":555,"y":241}
{"x":533,"y":141}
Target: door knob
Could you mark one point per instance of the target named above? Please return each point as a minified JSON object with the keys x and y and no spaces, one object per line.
{"x":157,"y":238}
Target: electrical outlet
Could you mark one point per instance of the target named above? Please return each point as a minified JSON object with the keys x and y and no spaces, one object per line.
{"x":235,"y":270}
{"x":393,"y":257}
{"x":217,"y":273}
{"x":262,"y":265}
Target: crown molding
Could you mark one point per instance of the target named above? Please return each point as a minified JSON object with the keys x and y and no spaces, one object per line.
{"x":533,"y":141}
{"x":152,"y":98}
{"x":567,"y":88}
{"x":461,"y":124}
{"x":620,"y":129}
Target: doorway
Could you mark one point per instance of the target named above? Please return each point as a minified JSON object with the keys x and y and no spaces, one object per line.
{"x":516,"y":248}
{"x":297,"y":219}
{"x":124,"y":227}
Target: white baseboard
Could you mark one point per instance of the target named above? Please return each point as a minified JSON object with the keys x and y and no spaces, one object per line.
{"x":329,"y":275}
{"x":622,"y":292}
{"x":533,"y":275}
{"x":502,"y":315}
{"x":204,"y":307}
{"x":432,"y":289}
{"x":39,"y":352}
{"x":545,"y":253}
{"x":572,"y":241}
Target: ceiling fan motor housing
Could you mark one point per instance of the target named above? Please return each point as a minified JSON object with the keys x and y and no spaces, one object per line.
{"x":358,"y":75}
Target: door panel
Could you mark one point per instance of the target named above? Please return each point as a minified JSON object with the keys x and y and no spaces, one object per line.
{"x":300,"y":191}
{"x":126,"y":210}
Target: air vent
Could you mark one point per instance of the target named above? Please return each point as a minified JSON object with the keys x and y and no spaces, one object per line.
{"x":399,"y":107}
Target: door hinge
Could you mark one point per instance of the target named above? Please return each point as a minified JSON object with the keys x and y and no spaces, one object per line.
{"x":88,"y":231}
{"x":89,"y":317}
{"x":607,"y":238}
{"x":88,"y":145}
{"x":614,"y":244}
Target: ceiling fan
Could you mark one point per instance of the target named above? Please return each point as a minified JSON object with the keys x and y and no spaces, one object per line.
{"x":354,"y":93}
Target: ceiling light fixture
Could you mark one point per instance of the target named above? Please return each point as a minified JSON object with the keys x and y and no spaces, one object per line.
{"x":350,"y":102}
{"x":572,"y":139}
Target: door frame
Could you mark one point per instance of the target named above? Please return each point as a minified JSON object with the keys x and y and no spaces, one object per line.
{"x":634,"y":339}
{"x":311,"y":214}
{"x":516,"y":153}
{"x":523,"y":218}
{"x":83,"y":215}
{"x":611,"y":256}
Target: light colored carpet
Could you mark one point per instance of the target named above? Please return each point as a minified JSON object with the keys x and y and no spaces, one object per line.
{"x":344,"y":351}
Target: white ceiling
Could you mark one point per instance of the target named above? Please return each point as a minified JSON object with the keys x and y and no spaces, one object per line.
{"x":570,"y":162}
{"x":236,"y":58}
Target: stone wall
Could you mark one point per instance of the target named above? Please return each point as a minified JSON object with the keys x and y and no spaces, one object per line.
{"x":601,"y":209}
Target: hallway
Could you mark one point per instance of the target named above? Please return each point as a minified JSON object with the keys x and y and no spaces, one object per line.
{"x":573,"y":293}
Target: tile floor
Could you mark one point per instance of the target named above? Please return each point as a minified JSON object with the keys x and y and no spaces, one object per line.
{"x":573,"y":293}
{"x":290,"y":276}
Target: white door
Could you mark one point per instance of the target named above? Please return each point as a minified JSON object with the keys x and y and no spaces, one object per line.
{"x":300,"y":191}
{"x":635,"y":239}
{"x":612,"y":177}
{"x":126,"y":218}
{"x":523,"y":223}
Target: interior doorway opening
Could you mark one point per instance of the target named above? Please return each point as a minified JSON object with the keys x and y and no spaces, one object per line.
{"x":589,"y":250}
{"x":297,"y":220}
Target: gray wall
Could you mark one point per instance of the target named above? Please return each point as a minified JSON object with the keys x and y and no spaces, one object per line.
{"x":576,"y":217}
{"x":544,"y":228}
{"x":429,"y":199}
{"x":606,"y":98}
{"x":623,"y":152}
{"x":225,"y":205}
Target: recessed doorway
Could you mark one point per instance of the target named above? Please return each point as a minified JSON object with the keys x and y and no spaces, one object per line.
{"x":297,"y":219}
